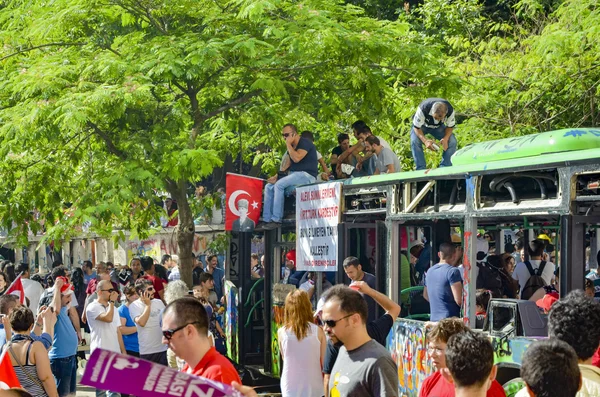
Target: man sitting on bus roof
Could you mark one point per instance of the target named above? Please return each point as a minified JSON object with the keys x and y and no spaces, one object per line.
{"x":302,"y":171}
{"x":365,"y":165}
{"x":434,"y":117}
{"x":436,"y":385}
{"x":386,"y":161}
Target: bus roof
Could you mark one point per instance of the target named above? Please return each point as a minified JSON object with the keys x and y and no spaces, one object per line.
{"x":536,"y":151}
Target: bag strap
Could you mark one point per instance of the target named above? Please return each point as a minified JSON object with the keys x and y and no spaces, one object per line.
{"x":541,"y":268}
{"x":530,"y":268}
{"x":12,"y":353}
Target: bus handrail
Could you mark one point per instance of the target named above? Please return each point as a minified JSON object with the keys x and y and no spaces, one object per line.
{"x":252,"y":290}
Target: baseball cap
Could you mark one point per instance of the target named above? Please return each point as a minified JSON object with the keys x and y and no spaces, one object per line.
{"x":547,"y":301}
{"x":66,"y":288}
{"x":291,"y":256}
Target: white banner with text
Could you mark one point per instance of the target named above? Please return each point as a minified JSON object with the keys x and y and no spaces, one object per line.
{"x":318,"y":211}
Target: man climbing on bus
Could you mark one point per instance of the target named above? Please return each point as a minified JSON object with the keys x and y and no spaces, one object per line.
{"x":434,"y":117}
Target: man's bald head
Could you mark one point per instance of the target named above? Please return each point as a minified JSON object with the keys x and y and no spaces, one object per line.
{"x":104,"y":284}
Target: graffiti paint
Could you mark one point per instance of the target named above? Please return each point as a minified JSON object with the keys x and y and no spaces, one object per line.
{"x":232,"y":321}
{"x":407,"y":343}
{"x":277,"y":316}
{"x":510,"y":349}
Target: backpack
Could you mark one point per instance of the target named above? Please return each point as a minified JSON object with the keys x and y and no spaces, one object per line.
{"x":534,"y":282}
{"x":489,"y":279}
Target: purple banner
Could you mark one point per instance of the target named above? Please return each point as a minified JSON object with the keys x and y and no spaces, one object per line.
{"x":119,"y":373}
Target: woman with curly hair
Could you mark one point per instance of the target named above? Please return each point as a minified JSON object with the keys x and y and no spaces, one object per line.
{"x":302,"y":346}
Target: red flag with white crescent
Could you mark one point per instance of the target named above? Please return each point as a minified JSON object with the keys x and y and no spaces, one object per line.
{"x":8,"y":377}
{"x":16,"y":288}
{"x":243,"y":202}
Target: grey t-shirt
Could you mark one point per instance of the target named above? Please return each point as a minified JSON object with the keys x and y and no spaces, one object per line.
{"x":386,"y":157}
{"x":366,"y":371}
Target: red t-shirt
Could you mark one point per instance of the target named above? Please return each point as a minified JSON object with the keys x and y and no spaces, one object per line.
{"x":157,"y":283}
{"x":214,"y":366}
{"x":596,"y":358}
{"x":436,"y":386}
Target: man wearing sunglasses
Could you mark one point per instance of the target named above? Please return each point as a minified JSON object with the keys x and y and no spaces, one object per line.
{"x":363,"y":366}
{"x":146,"y":313}
{"x":302,"y":171}
{"x":104,"y":323}
{"x":185,"y":331}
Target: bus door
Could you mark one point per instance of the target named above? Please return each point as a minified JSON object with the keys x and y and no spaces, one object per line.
{"x":578,"y":236}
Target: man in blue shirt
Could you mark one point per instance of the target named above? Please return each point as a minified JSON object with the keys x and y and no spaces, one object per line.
{"x":443,"y":285}
{"x":63,"y":355}
{"x":44,"y":326}
{"x":218,"y":274}
{"x":354,"y":271}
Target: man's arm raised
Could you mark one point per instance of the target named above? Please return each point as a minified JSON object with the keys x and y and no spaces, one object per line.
{"x":390,"y":307}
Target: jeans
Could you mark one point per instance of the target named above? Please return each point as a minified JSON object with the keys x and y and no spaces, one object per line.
{"x":65,"y":375}
{"x":274,"y":194}
{"x":417,"y":146}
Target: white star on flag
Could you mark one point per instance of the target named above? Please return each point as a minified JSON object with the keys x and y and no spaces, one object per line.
{"x":254,"y":205}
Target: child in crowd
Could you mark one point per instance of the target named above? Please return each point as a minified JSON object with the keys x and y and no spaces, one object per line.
{"x":482,"y":300}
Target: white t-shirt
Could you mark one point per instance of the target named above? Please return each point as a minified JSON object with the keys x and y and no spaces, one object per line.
{"x":150,"y":336}
{"x":33,"y":291}
{"x":104,"y":335}
{"x":521,"y":274}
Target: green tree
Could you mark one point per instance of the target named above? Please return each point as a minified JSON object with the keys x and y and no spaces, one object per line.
{"x":105,"y":104}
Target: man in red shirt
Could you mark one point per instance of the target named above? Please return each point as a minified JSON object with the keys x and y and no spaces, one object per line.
{"x":185,"y":331}
{"x":435,"y":385}
{"x":149,"y":274}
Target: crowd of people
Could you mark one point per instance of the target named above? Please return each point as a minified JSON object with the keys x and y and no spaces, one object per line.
{"x":143,"y":310}
{"x":434,"y":121}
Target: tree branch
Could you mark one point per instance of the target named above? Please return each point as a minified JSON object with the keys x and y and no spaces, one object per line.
{"x":37,"y":47}
{"x":109,"y":143}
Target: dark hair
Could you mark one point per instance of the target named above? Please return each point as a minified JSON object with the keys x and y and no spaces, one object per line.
{"x":21,"y":318}
{"x":509,"y":248}
{"x":447,"y":250}
{"x":254,"y":256}
{"x":110,"y":265}
{"x":22,"y":267}
{"x":351,"y":261}
{"x":135,"y":258}
{"x":147,"y":263}
{"x":308,"y":135}
{"x":129,"y":290}
{"x":165,"y":259}
{"x":209,"y":258}
{"x":5,"y":301}
{"x":444,"y":329}
{"x":351,"y":301}
{"x":536,"y":247}
{"x":87,"y":264}
{"x":550,"y":369}
{"x":342,"y":137}
{"x":39,"y":279}
{"x":189,"y":310}
{"x":141,"y":284}
{"x":358,"y":124}
{"x":292,"y":126}
{"x":470,"y":358}
{"x":59,"y":271}
{"x":205,"y":276}
{"x":519,"y":244}
{"x":364,"y":130}
{"x":9,"y":270}
{"x":78,"y":281}
{"x":161,"y":272}
{"x":373,"y":140}
{"x":57,"y":262}
{"x":482,"y":298}
{"x":575,"y":319}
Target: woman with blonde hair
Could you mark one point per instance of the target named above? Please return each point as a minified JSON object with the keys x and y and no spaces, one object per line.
{"x":302,"y":345}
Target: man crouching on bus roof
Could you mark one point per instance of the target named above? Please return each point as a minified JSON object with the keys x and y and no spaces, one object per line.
{"x":434,"y":117}
{"x":436,"y":385}
{"x":303,"y":170}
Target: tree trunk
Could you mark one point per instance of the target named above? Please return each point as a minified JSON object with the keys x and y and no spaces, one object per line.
{"x":185,"y":233}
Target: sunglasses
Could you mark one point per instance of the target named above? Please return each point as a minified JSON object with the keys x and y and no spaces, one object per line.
{"x":168,"y":334}
{"x":333,"y":323}
{"x":111,"y":290}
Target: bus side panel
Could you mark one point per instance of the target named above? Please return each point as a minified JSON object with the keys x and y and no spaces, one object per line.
{"x":277,"y":315}
{"x":407,"y":343}
{"x":232,"y":321}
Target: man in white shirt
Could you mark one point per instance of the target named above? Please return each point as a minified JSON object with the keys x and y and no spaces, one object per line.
{"x":536,"y":254}
{"x":146,"y":313}
{"x":174,"y":274}
{"x":104,"y":322}
{"x":33,"y":289}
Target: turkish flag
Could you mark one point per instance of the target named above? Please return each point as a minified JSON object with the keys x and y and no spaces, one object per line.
{"x":243,"y":201}
{"x":16,"y":288}
{"x":8,"y":377}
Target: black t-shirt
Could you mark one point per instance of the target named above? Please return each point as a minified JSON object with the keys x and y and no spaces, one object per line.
{"x":377,"y":330}
{"x":196,"y":272}
{"x":309,"y":162}
{"x":337,"y":151}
